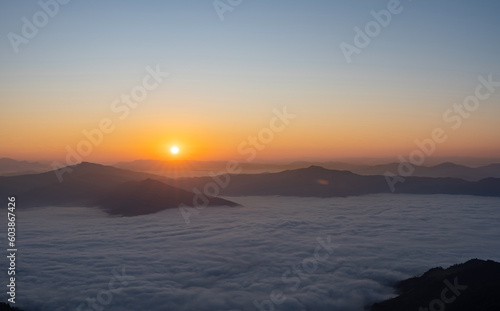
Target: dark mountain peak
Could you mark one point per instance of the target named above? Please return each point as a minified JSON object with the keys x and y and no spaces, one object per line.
{"x":474,"y":263}
{"x":433,"y":271}
{"x":319,"y":171}
{"x":313,"y":171}
{"x":316,"y":168}
{"x":94,"y":168}
{"x":88,"y":165}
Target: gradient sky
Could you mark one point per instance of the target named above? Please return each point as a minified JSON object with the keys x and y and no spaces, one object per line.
{"x":226,"y":77}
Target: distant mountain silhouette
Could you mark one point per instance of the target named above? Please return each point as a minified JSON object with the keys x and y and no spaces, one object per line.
{"x":316,"y":181}
{"x":492,"y":170}
{"x":11,"y":167}
{"x":186,"y":168}
{"x":94,"y":185}
{"x":203,"y":168}
{"x":121,"y":191}
{"x":469,"y":286}
{"x":444,"y":170}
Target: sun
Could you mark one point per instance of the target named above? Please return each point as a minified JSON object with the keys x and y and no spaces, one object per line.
{"x":174,"y":150}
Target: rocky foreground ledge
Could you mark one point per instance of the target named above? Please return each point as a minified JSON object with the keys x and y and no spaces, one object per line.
{"x":6,"y":307}
{"x":474,"y":285}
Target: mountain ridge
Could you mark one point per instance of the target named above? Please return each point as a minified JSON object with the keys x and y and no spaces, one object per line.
{"x":90,"y":184}
{"x":316,"y":181}
{"x":202,"y":168}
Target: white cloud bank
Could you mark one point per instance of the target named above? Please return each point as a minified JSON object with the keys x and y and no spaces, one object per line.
{"x":228,"y":258}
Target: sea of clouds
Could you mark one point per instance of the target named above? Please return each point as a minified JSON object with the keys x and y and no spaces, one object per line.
{"x":273,"y":253}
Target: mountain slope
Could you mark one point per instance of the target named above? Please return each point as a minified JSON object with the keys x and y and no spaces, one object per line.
{"x":91,"y":185}
{"x":316,"y":181}
{"x":148,"y":196}
{"x":76,"y":188}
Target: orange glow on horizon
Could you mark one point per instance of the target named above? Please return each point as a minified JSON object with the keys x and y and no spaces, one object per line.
{"x":218,"y":138}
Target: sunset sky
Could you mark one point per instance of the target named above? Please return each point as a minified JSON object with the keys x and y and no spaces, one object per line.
{"x":227,"y":76}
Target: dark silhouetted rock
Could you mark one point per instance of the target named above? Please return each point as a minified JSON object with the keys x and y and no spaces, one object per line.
{"x":7,"y":307}
{"x":473,"y":285}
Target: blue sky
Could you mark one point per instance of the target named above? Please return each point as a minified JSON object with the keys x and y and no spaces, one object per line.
{"x":263,"y":52}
